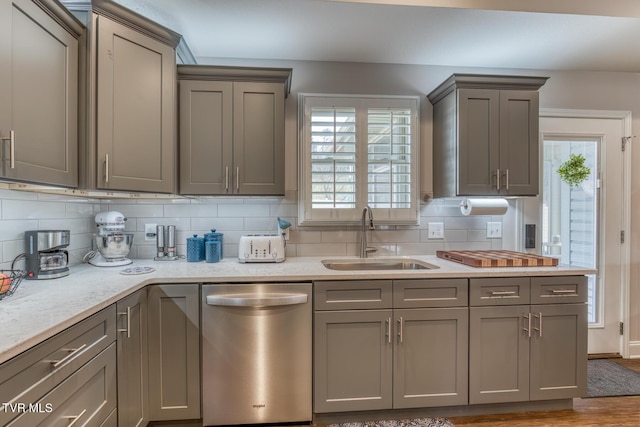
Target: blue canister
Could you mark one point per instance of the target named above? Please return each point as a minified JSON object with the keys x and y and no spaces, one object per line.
{"x":212,"y":250}
{"x":215,"y":236}
{"x":195,"y":248}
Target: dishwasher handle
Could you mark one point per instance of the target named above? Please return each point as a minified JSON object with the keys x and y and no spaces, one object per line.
{"x":257,"y":300}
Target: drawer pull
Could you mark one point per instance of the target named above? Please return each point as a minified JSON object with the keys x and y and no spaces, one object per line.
{"x":73,"y":352}
{"x":503,"y":293}
{"x":563,"y":291}
{"x":74,"y":418}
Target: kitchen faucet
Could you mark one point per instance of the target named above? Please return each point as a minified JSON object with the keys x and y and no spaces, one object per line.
{"x":364,"y":250}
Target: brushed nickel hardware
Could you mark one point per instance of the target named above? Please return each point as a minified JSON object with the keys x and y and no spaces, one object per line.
{"x":73,"y":352}
{"x":400,"y":323}
{"x":388,"y":334}
{"x":226,"y":178}
{"x":507,"y":179}
{"x":256,"y":300}
{"x":75,"y":418}
{"x":527,"y":318}
{"x":128,"y":314}
{"x":12,"y":148}
{"x":503,"y":293}
{"x":498,"y":179}
{"x":539,"y":328}
{"x":237,"y":179}
{"x":106,"y":168}
{"x":563,"y":291}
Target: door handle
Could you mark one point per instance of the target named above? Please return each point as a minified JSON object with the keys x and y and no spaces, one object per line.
{"x":106,"y":168}
{"x":497,"y":179}
{"x":226,"y":178}
{"x":527,"y":319}
{"x":12,"y":148}
{"x":256,"y":300}
{"x":388,"y":334}
{"x":128,"y":314}
{"x":400,"y":332}
{"x":237,"y":179}
{"x":539,"y":328}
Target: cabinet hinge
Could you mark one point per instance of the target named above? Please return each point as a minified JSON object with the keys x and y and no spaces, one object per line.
{"x":625,"y":140}
{"x":621,"y":328}
{"x":622,"y":236}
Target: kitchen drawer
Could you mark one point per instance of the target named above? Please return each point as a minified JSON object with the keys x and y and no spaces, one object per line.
{"x":352,"y":294}
{"x":558,"y":290}
{"x":499,"y":291}
{"x":430,"y":293}
{"x":88,"y":397}
{"x":30,"y":375}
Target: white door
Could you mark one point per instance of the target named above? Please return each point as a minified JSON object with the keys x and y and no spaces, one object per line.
{"x":583,"y":224}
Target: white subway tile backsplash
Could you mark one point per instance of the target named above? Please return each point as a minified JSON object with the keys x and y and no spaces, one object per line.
{"x":233,"y":217}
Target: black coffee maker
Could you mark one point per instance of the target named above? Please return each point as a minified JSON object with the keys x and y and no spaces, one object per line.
{"x":46,"y":257}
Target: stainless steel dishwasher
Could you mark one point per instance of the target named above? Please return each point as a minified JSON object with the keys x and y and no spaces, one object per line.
{"x":256,"y":353}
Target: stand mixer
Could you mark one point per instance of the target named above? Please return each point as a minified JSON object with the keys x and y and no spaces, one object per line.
{"x":113,"y":244}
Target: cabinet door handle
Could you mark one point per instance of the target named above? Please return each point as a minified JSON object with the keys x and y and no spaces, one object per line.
{"x":106,"y":168}
{"x":75,"y":418}
{"x":527,"y":329}
{"x":388,"y":321}
{"x":539,"y":328}
{"x":400,"y":325}
{"x":498,"y":179}
{"x":507,"y":179}
{"x":128,"y":314}
{"x":237,"y":179}
{"x":12,"y":148}
{"x":226,"y":178}
{"x":73,"y":351}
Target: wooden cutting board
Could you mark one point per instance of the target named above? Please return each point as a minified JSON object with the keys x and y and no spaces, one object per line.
{"x":497,"y":259}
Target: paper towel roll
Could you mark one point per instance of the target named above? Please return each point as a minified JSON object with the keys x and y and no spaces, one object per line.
{"x":484,"y":207}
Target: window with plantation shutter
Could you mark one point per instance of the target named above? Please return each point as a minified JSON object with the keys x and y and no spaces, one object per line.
{"x":358,"y":151}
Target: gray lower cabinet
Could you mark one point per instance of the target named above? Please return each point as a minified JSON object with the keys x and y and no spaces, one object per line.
{"x":232,"y":130}
{"x":71,"y":376}
{"x":39,"y":91}
{"x":390,"y":344}
{"x":174,"y":351}
{"x":529,"y":351}
{"x":133,"y":407}
{"x":135,"y":79}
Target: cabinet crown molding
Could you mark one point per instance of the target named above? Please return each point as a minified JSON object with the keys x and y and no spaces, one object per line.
{"x":135,"y":21}
{"x":240,"y":74}
{"x":485,"y":81}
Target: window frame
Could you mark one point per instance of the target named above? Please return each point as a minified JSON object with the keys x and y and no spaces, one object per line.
{"x":308,"y":216}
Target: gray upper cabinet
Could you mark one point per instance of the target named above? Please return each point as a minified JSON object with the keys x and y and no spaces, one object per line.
{"x":485,"y":135}
{"x":232,"y":130}
{"x":39,"y":91}
{"x":135,"y":101}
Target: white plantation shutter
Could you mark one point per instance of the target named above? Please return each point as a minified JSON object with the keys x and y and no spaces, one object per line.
{"x":358,"y":151}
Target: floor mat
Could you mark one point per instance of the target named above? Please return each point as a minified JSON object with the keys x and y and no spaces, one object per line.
{"x":415,"y":422}
{"x":606,"y":378}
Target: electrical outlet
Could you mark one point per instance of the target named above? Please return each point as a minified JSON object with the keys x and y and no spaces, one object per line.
{"x":150,"y":232}
{"x":436,"y":230}
{"x":494,"y":230}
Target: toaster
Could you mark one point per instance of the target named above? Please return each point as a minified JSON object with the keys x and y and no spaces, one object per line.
{"x":261,"y":248}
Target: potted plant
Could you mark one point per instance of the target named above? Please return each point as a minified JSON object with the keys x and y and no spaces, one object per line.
{"x":573,"y":171}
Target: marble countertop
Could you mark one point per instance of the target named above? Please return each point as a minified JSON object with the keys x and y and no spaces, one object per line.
{"x":40,"y":309}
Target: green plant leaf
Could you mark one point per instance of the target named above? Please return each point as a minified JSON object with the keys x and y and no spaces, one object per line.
{"x":573,"y":171}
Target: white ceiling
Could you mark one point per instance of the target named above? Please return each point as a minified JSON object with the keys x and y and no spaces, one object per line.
{"x":382,"y":33}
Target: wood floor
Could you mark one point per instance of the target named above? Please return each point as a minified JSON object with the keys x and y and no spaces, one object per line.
{"x":600,"y":412}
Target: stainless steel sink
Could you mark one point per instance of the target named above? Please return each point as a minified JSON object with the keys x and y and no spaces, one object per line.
{"x":377,"y":264}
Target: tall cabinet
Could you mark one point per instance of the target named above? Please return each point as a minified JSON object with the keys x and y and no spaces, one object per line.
{"x":232,"y":129}
{"x":135,"y":103}
{"x":39,"y":92}
{"x":485,"y":135}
